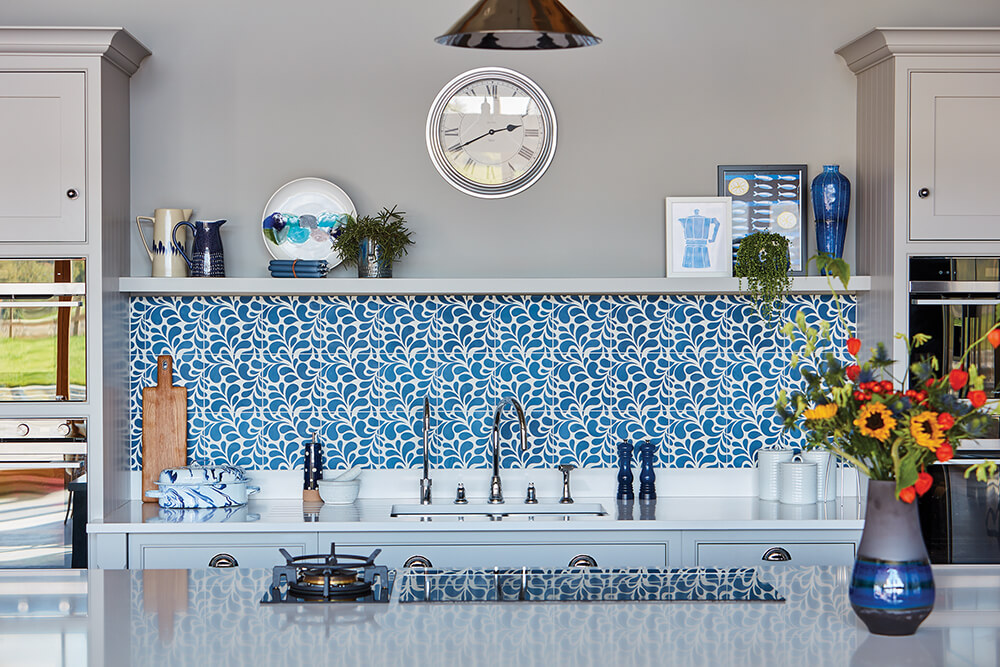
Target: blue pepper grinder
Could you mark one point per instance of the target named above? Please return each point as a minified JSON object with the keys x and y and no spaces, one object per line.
{"x":647,"y":478}
{"x":625,"y":453}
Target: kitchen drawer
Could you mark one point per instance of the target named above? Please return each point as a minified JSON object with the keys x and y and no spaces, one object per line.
{"x":191,"y":551}
{"x":516,"y":555}
{"x":720,"y":554}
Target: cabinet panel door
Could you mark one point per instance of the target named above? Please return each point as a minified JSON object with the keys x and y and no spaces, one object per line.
{"x":43,"y":192}
{"x":752,"y":554}
{"x":192,"y":551}
{"x":954,"y":141}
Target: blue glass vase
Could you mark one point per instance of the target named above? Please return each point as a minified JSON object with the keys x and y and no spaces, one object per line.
{"x":892,"y":588}
{"x":831,"y":197}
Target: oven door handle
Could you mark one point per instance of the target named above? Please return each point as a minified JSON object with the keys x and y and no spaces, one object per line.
{"x":35,"y":465}
{"x":40,"y":304}
{"x":955,"y":302}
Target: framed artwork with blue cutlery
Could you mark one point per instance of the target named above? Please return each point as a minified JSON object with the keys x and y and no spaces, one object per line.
{"x":769,"y":198}
{"x":699,"y":237}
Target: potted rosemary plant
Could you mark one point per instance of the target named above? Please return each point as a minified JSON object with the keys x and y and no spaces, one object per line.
{"x":762,"y":266}
{"x":373,"y":242}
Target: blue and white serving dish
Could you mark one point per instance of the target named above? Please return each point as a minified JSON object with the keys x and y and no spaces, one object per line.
{"x":199,"y":487}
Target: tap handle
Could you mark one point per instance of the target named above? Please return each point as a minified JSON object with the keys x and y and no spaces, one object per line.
{"x":460,"y":498}
{"x":530,"y":498}
{"x":565,"y":468}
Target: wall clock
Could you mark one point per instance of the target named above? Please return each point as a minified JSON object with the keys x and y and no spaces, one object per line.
{"x":491,"y":132}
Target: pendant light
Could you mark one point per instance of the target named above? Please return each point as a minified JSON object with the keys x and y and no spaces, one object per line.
{"x":518,"y":24}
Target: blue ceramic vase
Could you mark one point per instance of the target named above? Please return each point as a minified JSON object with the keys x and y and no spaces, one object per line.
{"x":892,"y":588}
{"x":831,"y":196}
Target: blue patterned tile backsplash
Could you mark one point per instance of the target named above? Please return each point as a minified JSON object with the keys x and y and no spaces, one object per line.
{"x":697,"y":374}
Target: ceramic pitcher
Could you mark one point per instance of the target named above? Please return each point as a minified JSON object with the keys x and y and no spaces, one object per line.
{"x":206,"y":258}
{"x":167,"y":262}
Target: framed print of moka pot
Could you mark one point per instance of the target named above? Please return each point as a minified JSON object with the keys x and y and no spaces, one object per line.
{"x":699,"y":236}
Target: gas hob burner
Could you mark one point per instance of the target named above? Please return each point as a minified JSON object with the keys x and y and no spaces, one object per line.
{"x":329,"y":577}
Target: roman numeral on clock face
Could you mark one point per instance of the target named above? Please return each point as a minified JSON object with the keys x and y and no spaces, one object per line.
{"x":531,"y":132}
{"x":526,"y":153}
{"x":451,"y":132}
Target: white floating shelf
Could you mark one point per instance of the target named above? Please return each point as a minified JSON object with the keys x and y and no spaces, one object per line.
{"x":415,"y":286}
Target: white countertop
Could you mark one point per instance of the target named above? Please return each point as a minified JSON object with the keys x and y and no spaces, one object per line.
{"x":373,"y":514}
{"x":214,"y":617}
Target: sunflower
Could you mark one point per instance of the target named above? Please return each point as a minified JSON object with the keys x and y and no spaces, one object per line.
{"x":926,"y":431}
{"x":824,"y":411}
{"x":875,"y":421}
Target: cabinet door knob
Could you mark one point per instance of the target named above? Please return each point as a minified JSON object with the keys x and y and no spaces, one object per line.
{"x":72,"y":193}
{"x":776,"y":554}
{"x":222,"y":560}
{"x":418,"y":561}
{"x":923,"y":193}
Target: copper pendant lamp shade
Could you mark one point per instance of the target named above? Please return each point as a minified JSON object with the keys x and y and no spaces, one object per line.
{"x":518,"y":24}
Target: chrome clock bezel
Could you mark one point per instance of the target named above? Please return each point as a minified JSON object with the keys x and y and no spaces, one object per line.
{"x":437,"y":151}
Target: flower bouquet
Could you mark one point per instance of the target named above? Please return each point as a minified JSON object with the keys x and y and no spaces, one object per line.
{"x":891,"y":430}
{"x":860,"y":413}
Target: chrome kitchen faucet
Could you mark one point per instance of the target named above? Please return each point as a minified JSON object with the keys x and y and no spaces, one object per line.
{"x":496,"y":493}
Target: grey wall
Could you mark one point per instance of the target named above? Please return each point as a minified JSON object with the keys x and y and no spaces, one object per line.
{"x":241,"y":96}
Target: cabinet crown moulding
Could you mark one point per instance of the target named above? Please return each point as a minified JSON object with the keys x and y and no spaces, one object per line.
{"x":114,"y":44}
{"x":880,"y":43}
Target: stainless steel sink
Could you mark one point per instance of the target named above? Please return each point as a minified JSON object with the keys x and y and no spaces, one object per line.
{"x":504,"y":509}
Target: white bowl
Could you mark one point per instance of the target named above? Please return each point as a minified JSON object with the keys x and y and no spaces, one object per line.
{"x":339,"y":493}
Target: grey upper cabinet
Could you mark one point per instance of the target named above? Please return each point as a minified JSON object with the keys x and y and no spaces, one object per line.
{"x":954,"y":141}
{"x":928,"y":102}
{"x":43,"y":191}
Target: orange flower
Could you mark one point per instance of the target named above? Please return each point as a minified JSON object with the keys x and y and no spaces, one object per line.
{"x":977,"y":398}
{"x":945,"y":421}
{"x":875,"y":421}
{"x":908,"y":494}
{"x":945,"y":452}
{"x":923,"y":483}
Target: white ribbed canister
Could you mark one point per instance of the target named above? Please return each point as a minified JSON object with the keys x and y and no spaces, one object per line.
{"x":797,"y":482}
{"x":767,"y":471}
{"x":826,"y":474}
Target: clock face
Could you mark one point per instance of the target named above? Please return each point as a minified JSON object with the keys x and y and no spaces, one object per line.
{"x":491,"y":132}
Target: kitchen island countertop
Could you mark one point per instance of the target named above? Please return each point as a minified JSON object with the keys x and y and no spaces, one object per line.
{"x":214,"y":617}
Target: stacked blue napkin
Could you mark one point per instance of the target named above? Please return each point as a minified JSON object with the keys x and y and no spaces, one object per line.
{"x":298,"y":268}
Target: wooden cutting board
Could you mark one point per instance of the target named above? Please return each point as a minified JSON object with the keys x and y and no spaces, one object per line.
{"x":164,"y":425}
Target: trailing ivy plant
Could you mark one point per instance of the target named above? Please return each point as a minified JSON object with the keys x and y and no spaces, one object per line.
{"x":387,"y":229}
{"x":762,"y":266}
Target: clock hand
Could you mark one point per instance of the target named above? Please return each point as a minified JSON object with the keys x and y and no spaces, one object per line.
{"x":509,"y":128}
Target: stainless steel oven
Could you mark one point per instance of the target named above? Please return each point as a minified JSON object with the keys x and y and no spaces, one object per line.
{"x":956,"y":300}
{"x":43,"y":330}
{"x":43,"y":512}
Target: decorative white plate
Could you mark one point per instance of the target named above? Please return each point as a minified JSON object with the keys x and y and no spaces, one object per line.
{"x":300,"y":218}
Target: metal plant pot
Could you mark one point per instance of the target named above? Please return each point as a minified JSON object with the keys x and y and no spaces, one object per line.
{"x":372,"y":262}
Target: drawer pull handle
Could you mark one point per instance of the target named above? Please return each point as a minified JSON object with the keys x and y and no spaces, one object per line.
{"x":583,"y":560}
{"x":418,"y":561}
{"x":776,"y":554}
{"x":223,"y":560}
